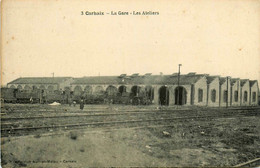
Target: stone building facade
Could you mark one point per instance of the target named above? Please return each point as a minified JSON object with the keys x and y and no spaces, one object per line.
{"x":190,"y":89}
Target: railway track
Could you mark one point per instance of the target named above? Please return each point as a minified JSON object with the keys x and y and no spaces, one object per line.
{"x":123,"y":112}
{"x":102,"y":116}
{"x":11,"y":126}
{"x":251,"y":163}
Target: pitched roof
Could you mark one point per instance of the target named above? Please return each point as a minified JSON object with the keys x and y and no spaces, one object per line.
{"x":222,"y":80}
{"x":234,"y":80}
{"x":243,"y":81}
{"x":153,"y":79}
{"x":39,"y":80}
{"x":211,"y":78}
{"x":252,"y":82}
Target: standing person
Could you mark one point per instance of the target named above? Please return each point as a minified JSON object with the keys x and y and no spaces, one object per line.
{"x":81,"y":104}
{"x":74,"y":103}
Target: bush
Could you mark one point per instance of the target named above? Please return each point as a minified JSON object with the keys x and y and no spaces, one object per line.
{"x":73,"y":135}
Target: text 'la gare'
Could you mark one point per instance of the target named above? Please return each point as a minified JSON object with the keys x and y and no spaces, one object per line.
{"x":134,"y":13}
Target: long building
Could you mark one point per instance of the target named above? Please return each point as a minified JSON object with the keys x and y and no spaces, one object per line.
{"x":188,"y":89}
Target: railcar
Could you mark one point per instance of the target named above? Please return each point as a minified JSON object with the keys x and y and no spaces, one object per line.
{"x":8,"y":95}
{"x":56,"y":96}
{"x":28,"y":96}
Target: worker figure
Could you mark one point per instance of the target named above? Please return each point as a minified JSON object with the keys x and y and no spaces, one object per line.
{"x":81,"y":104}
{"x":31,"y":100}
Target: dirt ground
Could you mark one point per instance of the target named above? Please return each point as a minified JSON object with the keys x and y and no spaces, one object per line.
{"x":190,"y":142}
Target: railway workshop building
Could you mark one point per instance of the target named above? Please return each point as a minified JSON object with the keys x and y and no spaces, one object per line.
{"x":188,"y":89}
{"x":45,"y":83}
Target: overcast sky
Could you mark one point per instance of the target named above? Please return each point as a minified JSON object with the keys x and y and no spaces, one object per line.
{"x":215,"y":37}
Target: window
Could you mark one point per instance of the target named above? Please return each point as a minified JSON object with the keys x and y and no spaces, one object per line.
{"x":236,"y":96}
{"x":254,"y":96}
{"x":245,"y":96}
{"x":200,"y":95}
{"x":225,"y":96}
{"x":213,"y":95}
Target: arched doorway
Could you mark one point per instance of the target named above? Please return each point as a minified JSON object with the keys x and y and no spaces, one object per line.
{"x":77,"y":91}
{"x":135,"y":90}
{"x":111,"y":91}
{"x":164,"y":96}
{"x":19,"y":87}
{"x":12,"y":86}
{"x":88,"y":90}
{"x":122,"y":89}
{"x":99,"y":90}
{"x":27,"y":87}
{"x":180,"y":95}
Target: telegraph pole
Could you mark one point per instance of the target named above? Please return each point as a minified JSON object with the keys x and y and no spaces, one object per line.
{"x":178,"y":99}
{"x":227,"y":93}
{"x":166,"y":95}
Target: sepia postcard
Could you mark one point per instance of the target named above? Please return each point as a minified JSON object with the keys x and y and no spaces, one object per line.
{"x":130,"y":83}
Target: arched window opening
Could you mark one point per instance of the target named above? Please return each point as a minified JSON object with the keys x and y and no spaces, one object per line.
{"x":200,"y":95}
{"x":254,"y":97}
{"x":236,"y":96}
{"x":225,"y":96}
{"x":213,"y":95}
{"x":245,"y":96}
